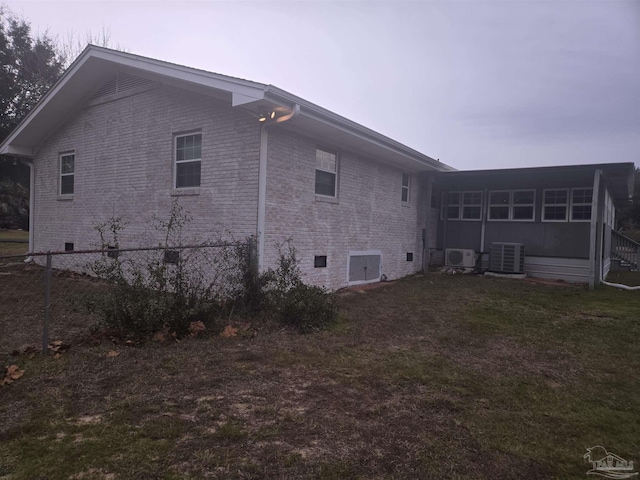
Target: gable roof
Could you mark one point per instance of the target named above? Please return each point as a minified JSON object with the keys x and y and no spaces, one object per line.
{"x":95,"y":64}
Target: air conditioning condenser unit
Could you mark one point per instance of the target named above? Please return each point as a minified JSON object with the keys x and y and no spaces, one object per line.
{"x":506,"y":258}
{"x":459,"y":257}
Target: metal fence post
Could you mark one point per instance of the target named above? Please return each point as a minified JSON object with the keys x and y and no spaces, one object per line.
{"x":47,"y":305}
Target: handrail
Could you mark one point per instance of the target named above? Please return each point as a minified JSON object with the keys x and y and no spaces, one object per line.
{"x":625,"y":249}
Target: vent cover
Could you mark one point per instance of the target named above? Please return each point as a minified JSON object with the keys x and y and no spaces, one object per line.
{"x":506,"y":258}
{"x":121,"y":82}
{"x":460,"y":257}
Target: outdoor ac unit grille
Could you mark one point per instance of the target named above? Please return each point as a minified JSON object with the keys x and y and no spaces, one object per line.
{"x":459,"y":257}
{"x":506,"y":258}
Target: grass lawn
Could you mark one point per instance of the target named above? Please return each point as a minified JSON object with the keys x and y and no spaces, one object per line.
{"x":442,"y":376}
{"x":12,"y":242}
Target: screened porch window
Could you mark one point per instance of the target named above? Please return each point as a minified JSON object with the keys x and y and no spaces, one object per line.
{"x":555,"y":204}
{"x":581,"y":204}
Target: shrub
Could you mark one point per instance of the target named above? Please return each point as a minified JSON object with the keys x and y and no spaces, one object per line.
{"x":289,"y":300}
{"x":308,"y":308}
{"x":165,"y":288}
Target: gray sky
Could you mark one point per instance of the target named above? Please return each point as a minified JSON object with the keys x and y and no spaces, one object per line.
{"x":477,"y":84}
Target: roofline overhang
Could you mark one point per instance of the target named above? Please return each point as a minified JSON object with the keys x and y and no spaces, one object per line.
{"x":244,"y":94}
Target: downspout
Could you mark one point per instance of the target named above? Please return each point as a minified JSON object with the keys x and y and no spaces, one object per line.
{"x":483,"y":228}
{"x":262,"y":180}
{"x":593,"y":237}
{"x":32,"y":196}
{"x":426,"y":231}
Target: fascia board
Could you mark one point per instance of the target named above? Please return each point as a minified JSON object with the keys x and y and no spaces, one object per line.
{"x":73,"y":68}
{"x":212,"y":80}
{"x":179,"y":72}
{"x":327,"y":117}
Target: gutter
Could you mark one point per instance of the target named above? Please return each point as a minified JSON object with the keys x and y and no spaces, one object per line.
{"x":262,"y":179}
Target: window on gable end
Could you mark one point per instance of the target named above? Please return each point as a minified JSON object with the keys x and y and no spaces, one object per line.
{"x":326,"y":173}
{"x":188,"y":160}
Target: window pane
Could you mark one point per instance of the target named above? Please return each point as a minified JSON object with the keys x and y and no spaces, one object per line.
{"x":325,"y":161}
{"x":405,"y":194}
{"x":523,"y":197}
{"x":67,"y":164}
{"x":555,"y":213}
{"x":188,"y":174}
{"x":499,"y":198}
{"x":325,"y":183}
{"x":66,"y":184}
{"x":523,"y":213}
{"x":453,"y":213}
{"x":499,"y":213}
{"x":453,"y":198}
{"x":472,"y":198}
{"x":405,"y":179}
{"x":189,"y":147}
{"x":471,"y":213}
{"x":582,"y":195}
{"x":581,"y":212}
{"x":555,"y":197}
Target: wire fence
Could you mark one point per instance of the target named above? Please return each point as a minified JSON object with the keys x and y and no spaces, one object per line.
{"x":47,"y":297}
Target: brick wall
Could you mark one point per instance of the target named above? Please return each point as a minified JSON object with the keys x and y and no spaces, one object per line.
{"x":368,"y":214}
{"x":123,"y":167}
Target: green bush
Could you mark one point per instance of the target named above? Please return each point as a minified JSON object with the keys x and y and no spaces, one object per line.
{"x":291,"y":302}
{"x":167,"y":287}
{"x":308,"y":308}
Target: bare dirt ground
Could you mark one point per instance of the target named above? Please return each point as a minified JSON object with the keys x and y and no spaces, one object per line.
{"x":427,"y":377}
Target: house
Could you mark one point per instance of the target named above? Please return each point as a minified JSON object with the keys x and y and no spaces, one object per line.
{"x":124,"y":135}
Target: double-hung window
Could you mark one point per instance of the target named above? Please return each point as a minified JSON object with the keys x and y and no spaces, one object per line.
{"x":67,"y":172}
{"x":406,"y":181}
{"x":512,"y":205}
{"x":471,"y":205}
{"x":581,"y":204}
{"x":500,"y":205}
{"x":555,"y":204}
{"x":450,"y":206}
{"x":461,"y":206}
{"x":326,"y":173}
{"x":523,"y":205}
{"x":188,"y":159}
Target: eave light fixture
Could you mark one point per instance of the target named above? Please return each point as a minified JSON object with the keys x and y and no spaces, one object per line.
{"x":264,"y":116}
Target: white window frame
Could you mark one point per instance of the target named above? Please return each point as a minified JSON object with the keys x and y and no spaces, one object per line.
{"x":335,"y":173}
{"x":582,"y":204}
{"x":444,"y":206}
{"x":545,"y":205}
{"x":463,"y":205}
{"x":406,"y":188}
{"x":507,"y":206}
{"x":68,"y":174}
{"x":514,"y":205}
{"x":190,"y":160}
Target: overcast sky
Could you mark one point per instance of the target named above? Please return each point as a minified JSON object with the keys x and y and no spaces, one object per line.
{"x":477,"y":84}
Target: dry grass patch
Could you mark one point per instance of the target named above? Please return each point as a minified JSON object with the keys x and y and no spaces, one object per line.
{"x":431,"y":377}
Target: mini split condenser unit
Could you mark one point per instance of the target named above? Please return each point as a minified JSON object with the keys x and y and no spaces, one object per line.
{"x":460,"y":257}
{"x":506,"y":258}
